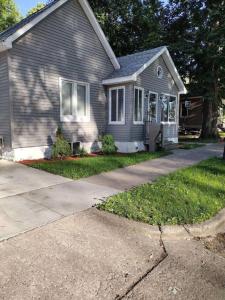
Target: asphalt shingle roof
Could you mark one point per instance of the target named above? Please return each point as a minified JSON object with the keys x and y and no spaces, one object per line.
{"x":130,"y":64}
{"x":11,"y":30}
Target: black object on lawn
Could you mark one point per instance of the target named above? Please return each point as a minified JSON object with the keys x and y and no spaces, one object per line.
{"x":224,"y":152}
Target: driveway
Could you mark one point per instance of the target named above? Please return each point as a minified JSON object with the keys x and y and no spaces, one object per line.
{"x":32,"y":198}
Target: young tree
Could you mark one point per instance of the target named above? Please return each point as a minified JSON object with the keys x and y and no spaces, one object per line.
{"x":35,"y":9}
{"x":9,"y":14}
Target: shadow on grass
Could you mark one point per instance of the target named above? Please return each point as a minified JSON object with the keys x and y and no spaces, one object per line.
{"x":188,"y":196}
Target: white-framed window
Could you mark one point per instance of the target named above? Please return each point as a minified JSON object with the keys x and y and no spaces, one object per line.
{"x":117,"y":105}
{"x":138,"y":105}
{"x":152,"y":106}
{"x":160,"y":72}
{"x":169,"y":108}
{"x":74,"y":101}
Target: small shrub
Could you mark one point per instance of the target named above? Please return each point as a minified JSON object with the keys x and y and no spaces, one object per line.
{"x":61,"y":148}
{"x":108,"y":145}
{"x":82,"y":152}
{"x":59,"y":133}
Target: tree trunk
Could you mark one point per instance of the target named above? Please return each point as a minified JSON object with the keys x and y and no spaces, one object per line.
{"x":210,"y":118}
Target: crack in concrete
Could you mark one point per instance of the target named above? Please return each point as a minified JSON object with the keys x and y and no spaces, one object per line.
{"x":188,"y":231}
{"x":149,"y":271}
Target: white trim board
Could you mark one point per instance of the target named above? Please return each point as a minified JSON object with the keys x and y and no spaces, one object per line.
{"x":169,"y":63}
{"x":130,"y":147}
{"x":123,"y":122}
{"x":142,"y":105}
{"x":75,"y":118}
{"x":7,"y":44}
{"x":30,"y":153}
{"x":157,"y":104}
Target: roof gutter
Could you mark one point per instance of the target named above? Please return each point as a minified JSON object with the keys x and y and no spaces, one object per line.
{"x":119,"y":80}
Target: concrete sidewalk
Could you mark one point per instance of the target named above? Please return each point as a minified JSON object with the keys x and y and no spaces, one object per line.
{"x":32,"y":198}
{"x":148,"y":171}
{"x":96,"y":255}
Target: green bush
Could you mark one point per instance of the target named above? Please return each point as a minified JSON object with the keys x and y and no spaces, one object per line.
{"x":82,"y":152}
{"x":61,"y":148}
{"x":108,"y":145}
{"x":59,"y":133}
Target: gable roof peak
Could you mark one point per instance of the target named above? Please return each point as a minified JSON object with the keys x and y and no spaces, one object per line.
{"x":11,"y":34}
{"x":134,"y":64}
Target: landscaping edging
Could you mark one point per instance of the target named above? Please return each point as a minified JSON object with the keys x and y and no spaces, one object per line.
{"x":208,"y":228}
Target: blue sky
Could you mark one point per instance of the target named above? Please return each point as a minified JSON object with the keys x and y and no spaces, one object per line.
{"x":25,"y":5}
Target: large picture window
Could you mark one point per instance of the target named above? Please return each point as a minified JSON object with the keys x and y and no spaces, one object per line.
{"x":117,"y":105}
{"x":74,"y":101}
{"x":138,"y":105}
{"x":169,"y":104}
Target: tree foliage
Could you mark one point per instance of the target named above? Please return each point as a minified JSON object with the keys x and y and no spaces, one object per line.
{"x":130,"y":25}
{"x":9,"y":14}
{"x":195,"y":32}
{"x":35,"y":9}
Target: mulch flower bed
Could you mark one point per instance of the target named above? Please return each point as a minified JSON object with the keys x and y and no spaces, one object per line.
{"x":70,"y":158}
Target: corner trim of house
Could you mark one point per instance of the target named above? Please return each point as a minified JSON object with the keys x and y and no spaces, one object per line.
{"x":5,"y":46}
{"x":28,"y":153}
{"x":130,"y":147}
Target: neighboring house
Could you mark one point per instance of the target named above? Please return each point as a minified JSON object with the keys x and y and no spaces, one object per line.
{"x":191,"y":113}
{"x":58,"y":69}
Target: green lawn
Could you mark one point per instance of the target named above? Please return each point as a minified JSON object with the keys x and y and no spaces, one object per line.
{"x":191,"y":195}
{"x":196,"y":139}
{"x":189,"y":146}
{"x":89,"y":166}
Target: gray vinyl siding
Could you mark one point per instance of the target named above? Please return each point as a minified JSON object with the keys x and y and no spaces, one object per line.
{"x":62,"y":45}
{"x":5,"y":129}
{"x":122,"y":133}
{"x":150,"y":82}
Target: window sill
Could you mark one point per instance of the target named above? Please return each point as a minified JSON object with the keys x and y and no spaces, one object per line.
{"x":169,"y":123}
{"x":138,"y":123}
{"x":116,"y":123}
{"x":68,"y":119}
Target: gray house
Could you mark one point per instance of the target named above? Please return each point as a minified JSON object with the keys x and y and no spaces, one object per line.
{"x":57,"y":68}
